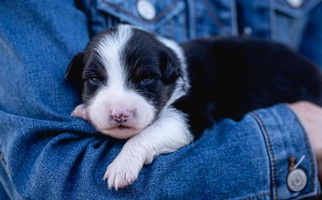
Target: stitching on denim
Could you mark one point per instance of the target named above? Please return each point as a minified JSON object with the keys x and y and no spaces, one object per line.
{"x":273,"y":20}
{"x":160,"y":15}
{"x":186,"y":27}
{"x":258,"y":196}
{"x":171,"y":23}
{"x":310,"y":152}
{"x":270,"y":151}
{"x":191,"y":19}
{"x":233,"y":17}
{"x":308,"y":144}
{"x":213,"y":15}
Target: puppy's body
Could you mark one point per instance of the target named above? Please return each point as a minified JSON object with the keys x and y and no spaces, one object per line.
{"x":138,"y":86}
{"x":129,"y":80}
{"x":230,"y":77}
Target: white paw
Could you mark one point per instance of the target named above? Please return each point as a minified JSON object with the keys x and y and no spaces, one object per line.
{"x":123,"y":171}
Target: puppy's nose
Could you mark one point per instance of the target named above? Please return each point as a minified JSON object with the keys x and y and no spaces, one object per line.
{"x":121,"y":116}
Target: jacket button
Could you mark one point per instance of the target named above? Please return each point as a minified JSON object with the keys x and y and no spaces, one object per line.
{"x":146,"y":9}
{"x":295,"y":3}
{"x":247,"y":30}
{"x":296,"y":180}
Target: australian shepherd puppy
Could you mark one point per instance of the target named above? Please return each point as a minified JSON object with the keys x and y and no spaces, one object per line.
{"x":160,"y":95}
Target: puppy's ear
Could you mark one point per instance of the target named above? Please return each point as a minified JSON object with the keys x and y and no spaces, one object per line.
{"x":74,"y":71}
{"x":170,"y":66}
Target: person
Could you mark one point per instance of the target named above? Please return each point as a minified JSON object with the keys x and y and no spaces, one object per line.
{"x":271,"y":153}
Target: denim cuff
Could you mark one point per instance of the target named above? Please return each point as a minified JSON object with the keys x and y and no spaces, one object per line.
{"x":286,"y":138}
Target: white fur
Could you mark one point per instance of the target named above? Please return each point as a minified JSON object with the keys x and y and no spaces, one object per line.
{"x":116,"y":94}
{"x":109,"y":49}
{"x":109,"y":99}
{"x":182,"y":84}
{"x":168,"y":132}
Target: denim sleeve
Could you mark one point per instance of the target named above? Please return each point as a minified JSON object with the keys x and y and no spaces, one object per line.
{"x":47,"y":154}
{"x":285,"y":137}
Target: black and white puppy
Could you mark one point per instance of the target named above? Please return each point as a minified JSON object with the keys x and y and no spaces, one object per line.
{"x":160,"y":95}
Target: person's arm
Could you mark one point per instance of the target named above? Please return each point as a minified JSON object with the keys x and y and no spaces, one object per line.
{"x":289,"y":148}
{"x":311,"y":117}
{"x":48,"y":154}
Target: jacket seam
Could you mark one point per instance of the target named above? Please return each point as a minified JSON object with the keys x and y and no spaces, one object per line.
{"x":310,"y":155}
{"x":270,"y":152}
{"x":258,"y":196}
{"x":214,"y":16}
{"x":310,"y":152}
{"x":258,"y":119}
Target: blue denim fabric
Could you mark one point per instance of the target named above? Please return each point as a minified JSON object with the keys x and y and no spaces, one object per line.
{"x":300,"y":28}
{"x":47,"y":154}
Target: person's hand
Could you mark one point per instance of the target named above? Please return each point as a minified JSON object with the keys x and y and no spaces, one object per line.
{"x":311,"y":117}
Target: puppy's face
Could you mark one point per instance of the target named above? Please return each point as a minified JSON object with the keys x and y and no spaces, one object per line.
{"x":126,"y":77}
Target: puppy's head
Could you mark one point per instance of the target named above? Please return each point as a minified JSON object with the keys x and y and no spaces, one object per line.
{"x":126,"y":76}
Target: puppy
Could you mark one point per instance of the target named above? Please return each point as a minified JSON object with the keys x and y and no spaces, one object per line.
{"x":160,"y":95}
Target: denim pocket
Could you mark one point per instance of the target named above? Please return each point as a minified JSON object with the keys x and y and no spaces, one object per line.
{"x":168,"y":17}
{"x":291,"y":18}
{"x":295,"y":10}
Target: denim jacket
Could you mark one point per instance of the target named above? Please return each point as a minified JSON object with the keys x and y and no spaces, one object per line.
{"x":47,"y":154}
{"x":283,"y":20}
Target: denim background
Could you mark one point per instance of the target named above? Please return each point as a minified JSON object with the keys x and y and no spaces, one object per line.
{"x":181,"y":20}
{"x":47,"y":154}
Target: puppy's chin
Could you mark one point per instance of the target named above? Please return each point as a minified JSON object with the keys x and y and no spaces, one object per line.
{"x":121,"y":132}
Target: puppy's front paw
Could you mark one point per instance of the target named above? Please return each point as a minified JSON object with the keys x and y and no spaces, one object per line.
{"x":81,"y":112}
{"x":123,"y":171}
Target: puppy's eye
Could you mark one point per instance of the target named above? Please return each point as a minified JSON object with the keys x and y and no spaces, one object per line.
{"x":95,"y":80}
{"x":147,"y":81}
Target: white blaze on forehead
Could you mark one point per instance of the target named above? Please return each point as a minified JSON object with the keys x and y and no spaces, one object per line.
{"x":116,"y":95}
{"x":110,"y":49}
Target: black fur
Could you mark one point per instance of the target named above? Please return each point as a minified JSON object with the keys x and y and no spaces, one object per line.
{"x":233,"y":76}
{"x":74,"y":71}
{"x":229,"y":77}
{"x":147,"y":59}
{"x":152,"y":68}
